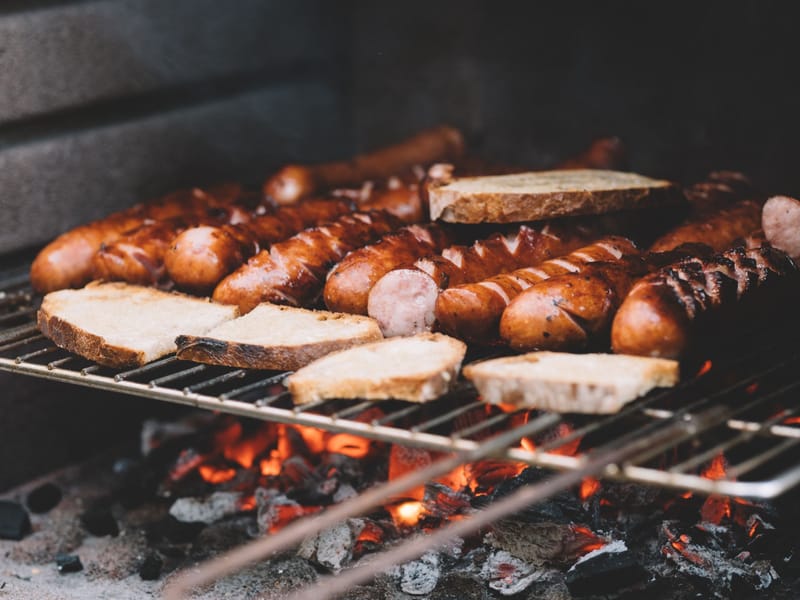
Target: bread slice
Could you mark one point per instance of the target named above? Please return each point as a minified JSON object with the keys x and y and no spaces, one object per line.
{"x":563,"y":382}
{"x":278,"y":337}
{"x":121,"y":325}
{"x":416,"y":368}
{"x":543,"y":195}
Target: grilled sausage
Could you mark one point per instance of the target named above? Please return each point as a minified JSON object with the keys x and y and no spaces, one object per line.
{"x":603,"y":153}
{"x":293,"y":272}
{"x":719,"y":189}
{"x":718,"y":229}
{"x":350,"y":282}
{"x":780,"y":219}
{"x":293,"y":182}
{"x":663,"y":312}
{"x":403,"y":300}
{"x":472,"y":311}
{"x":403,"y":201}
{"x":568,"y":312}
{"x":200,"y":257}
{"x":67,"y":260}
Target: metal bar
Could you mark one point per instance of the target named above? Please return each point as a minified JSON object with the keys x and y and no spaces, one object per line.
{"x":776,"y":430}
{"x":275,"y":379}
{"x":156,"y":364}
{"x":485,"y":424}
{"x":17,"y":332}
{"x":736,"y":471}
{"x":398,"y":414}
{"x":177,"y":375}
{"x":237,"y":373}
{"x":448,"y":416}
{"x":22,"y":342}
{"x":61,"y":361}
{"x":368,"y":500}
{"x":353,"y":410}
{"x":17,"y":314}
{"x":35,"y":353}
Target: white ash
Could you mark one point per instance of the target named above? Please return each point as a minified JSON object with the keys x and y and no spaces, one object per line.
{"x":206,"y":510}
{"x":344,"y":492}
{"x":614,"y":547}
{"x":333,"y":547}
{"x":419,"y":577}
{"x":268,"y":503}
{"x":509,"y":575}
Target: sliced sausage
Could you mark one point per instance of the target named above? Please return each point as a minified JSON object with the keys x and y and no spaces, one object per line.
{"x":780,"y":220}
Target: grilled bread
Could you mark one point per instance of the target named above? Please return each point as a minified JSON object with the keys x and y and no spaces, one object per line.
{"x":416,"y":368}
{"x":278,"y":337}
{"x":122,"y":325}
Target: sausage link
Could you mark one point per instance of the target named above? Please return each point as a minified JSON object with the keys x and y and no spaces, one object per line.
{"x":569,"y":312}
{"x":350,"y":282}
{"x":718,"y":229}
{"x":660,"y":315}
{"x":780,"y":219}
{"x":602,"y":153}
{"x":293,"y":272}
{"x":403,"y":301}
{"x":200,"y":257}
{"x":67,"y":261}
{"x":293,"y":182}
{"x":402,"y":201}
{"x":472,"y":311}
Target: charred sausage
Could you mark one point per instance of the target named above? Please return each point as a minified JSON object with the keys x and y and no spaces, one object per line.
{"x":663,"y":311}
{"x":200,"y":257}
{"x":293,"y":272}
{"x":350,"y":282}
{"x":293,"y":182}
{"x":472,"y":311}
{"x":403,"y":301}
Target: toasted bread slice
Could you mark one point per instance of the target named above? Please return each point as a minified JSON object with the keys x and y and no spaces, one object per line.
{"x":543,"y":195}
{"x":416,"y":368}
{"x":278,"y":337}
{"x":562,"y":382}
{"x":122,"y":325}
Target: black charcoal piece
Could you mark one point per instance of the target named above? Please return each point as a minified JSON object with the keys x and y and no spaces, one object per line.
{"x":44,"y":498}
{"x":14,"y":521}
{"x":150,"y":570}
{"x":172,"y":530}
{"x":605,"y":573}
{"x":99,"y":521}
{"x":68,"y":563}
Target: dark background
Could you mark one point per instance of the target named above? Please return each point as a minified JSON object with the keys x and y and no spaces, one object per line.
{"x":107,"y":102}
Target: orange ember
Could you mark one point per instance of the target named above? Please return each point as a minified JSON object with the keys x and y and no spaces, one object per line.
{"x":752,"y":388}
{"x":716,"y":469}
{"x":349,"y":445}
{"x":214,"y":475}
{"x":569,"y":448}
{"x":527,"y":444}
{"x":589,"y":487}
{"x":245,"y":451}
{"x":791,"y":421}
{"x":406,"y":514}
{"x":705,"y":368}
{"x":716,"y":508}
{"x":590,"y":541}
{"x":271,"y":465}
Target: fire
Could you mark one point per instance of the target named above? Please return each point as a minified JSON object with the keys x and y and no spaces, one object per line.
{"x":704,"y":368}
{"x":590,"y":541}
{"x":527,"y":444}
{"x":589,"y":487}
{"x":568,"y":448}
{"x":791,"y":421}
{"x":245,"y":451}
{"x":406,"y":514}
{"x":350,"y":445}
{"x":716,"y":469}
{"x":214,"y":475}
{"x":271,"y":465}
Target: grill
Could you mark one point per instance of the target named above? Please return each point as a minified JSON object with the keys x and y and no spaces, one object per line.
{"x":745,"y":405}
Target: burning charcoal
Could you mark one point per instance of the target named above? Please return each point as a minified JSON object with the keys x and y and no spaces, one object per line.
{"x":371,"y":537}
{"x":457,"y":586}
{"x":608,"y":569}
{"x":561,"y":508}
{"x":348,"y":469}
{"x":206,"y":510}
{"x":419,"y":577}
{"x":543,"y":543}
{"x":296,"y":471}
{"x":43,"y":498}
{"x":509,"y":575}
{"x":68,"y":563}
{"x":151,"y":567}
{"x":15,"y":523}
{"x":441,"y":502}
{"x":332,"y":548}
{"x":344,"y":492}
{"x":99,"y":521}
{"x":275,"y":510}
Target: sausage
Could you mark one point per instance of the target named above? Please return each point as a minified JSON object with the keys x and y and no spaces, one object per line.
{"x":603,"y":153}
{"x":718,"y":190}
{"x":664,"y":311}
{"x":293,"y":182}
{"x":403,"y":201}
{"x":568,"y":312}
{"x":350,"y":282}
{"x":780,"y":219}
{"x":293,"y":272}
{"x":200,"y":257}
{"x":67,"y":261}
{"x":472,"y":311}
{"x":403,"y":301}
{"x":718,"y":230}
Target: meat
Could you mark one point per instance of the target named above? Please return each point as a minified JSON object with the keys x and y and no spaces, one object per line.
{"x":67,"y":260}
{"x":718,"y":229}
{"x":293,"y":272}
{"x":472,"y":311}
{"x":293,"y":182}
{"x":403,"y":201}
{"x":718,"y":190}
{"x":569,"y":312}
{"x":200,"y":257}
{"x":403,"y":300}
{"x":666,"y":310}
{"x":780,"y":220}
{"x":349,"y":283}
{"x":603,"y":153}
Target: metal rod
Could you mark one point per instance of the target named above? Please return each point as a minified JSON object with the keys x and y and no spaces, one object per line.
{"x":745,"y":466}
{"x":16,"y":314}
{"x":398,"y":414}
{"x":376,"y":496}
{"x":22,"y":342}
{"x":237,"y":373}
{"x":177,"y":375}
{"x":274,"y":380}
{"x":448,"y":416}
{"x":485,"y":424}
{"x":35,"y":353}
{"x":156,"y":364}
{"x":17,"y":332}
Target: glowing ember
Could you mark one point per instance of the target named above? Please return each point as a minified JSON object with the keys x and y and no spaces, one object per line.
{"x":589,"y":488}
{"x":716,"y":469}
{"x":406,"y":514}
{"x":527,"y":444}
{"x":244,"y":452}
{"x":752,"y":388}
{"x":716,"y":508}
{"x":349,"y":445}
{"x":271,"y":465}
{"x":589,"y":541}
{"x":705,"y":368}
{"x":791,"y":421}
{"x":214,"y":475}
{"x":569,"y":448}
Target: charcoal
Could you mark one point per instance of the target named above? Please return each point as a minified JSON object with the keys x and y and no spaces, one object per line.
{"x":605,"y":572}
{"x":344,"y":492}
{"x":68,"y":563}
{"x":457,"y":586}
{"x":99,"y":521}
{"x":43,"y":498}
{"x":419,"y":577}
{"x":440,"y":501}
{"x":172,"y":530}
{"x":540,"y":543}
{"x":15,"y":523}
{"x":206,"y":510}
{"x":150,"y":570}
{"x":509,"y":575}
{"x":333,"y":547}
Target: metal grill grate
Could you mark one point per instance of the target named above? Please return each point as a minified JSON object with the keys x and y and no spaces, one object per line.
{"x":752,"y":395}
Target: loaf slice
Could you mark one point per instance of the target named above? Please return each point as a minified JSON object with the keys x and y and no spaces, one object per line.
{"x":122,"y":325}
{"x":575,"y":383}
{"x":543,"y":195}
{"x":416,"y":368}
{"x":278,"y":337}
